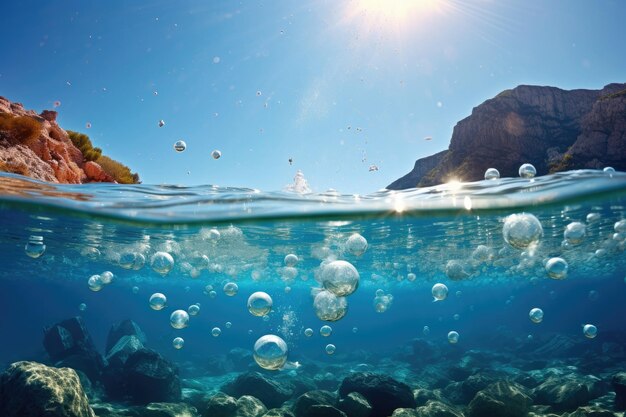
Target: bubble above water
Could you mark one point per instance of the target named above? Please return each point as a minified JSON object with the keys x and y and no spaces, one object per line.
{"x":492,"y":174}
{"x":340,"y":277}
{"x":216,"y":154}
{"x":330,"y":348}
{"x":590,"y":331}
{"x":157,"y":301}
{"x":178,"y":343}
{"x":329,"y":307}
{"x":308,"y":332}
{"x":610,"y":170}
{"x":326,"y":330}
{"x":95,"y":283}
{"x":161,"y":123}
{"x":162,"y":262}
{"x":179,"y":319}
{"x":193,"y":310}
{"x":574,"y":233}
{"x":216,"y":331}
{"x":180,"y":146}
{"x":557,"y":268}
{"x":527,"y":171}
{"x":291,"y":260}
{"x":270,"y":352}
{"x":356,"y":244}
{"x":536,"y":315}
{"x":453,"y":337}
{"x":440,"y":292}
{"x":259,"y":304}
{"x":522,"y":230}
{"x":35,"y":247}
{"x":231,"y":289}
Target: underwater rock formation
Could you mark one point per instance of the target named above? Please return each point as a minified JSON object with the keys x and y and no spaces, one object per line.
{"x":31,"y":389}
{"x":124,"y":328}
{"x":502,"y":399}
{"x":69,"y":343}
{"x":553,"y":129}
{"x":619,"y":385}
{"x":384,"y":393}
{"x":271,"y":392}
{"x":310,"y":399}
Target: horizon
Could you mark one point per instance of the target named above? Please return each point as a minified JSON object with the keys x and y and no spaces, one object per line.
{"x":336,"y":87}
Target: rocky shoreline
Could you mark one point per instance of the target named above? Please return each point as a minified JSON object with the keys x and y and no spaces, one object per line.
{"x":556,"y":376}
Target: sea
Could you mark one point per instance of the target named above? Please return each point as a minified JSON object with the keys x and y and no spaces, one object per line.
{"x":421,"y":285}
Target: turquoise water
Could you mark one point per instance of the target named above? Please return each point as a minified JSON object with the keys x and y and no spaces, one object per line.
{"x":415,"y":239}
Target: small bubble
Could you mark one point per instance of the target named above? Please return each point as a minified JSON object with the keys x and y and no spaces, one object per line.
{"x":180,"y":146}
{"x":216,"y":59}
{"x":56,"y":103}
{"x":88,"y":125}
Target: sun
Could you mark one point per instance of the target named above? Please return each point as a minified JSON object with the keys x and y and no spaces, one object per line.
{"x":393,"y":15}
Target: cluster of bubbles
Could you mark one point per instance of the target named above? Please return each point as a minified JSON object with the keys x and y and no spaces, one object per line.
{"x":455,"y":270}
{"x":35,"y":247}
{"x":97,"y":282}
{"x":132,"y":260}
{"x":382,"y":301}
{"x":522,"y":230}
{"x":270,"y":352}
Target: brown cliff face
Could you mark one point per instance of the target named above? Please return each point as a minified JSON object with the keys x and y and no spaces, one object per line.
{"x":551,"y":128}
{"x":34,"y":145}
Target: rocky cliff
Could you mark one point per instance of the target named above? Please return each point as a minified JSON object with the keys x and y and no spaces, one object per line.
{"x":553,"y":129}
{"x":34,"y":145}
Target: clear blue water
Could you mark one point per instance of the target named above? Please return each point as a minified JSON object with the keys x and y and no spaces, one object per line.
{"x":87,"y":228}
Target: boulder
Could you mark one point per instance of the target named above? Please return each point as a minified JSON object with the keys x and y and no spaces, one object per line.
{"x":69,"y":343}
{"x":148,"y":377}
{"x":123,"y":349}
{"x":592,"y":411}
{"x":323,"y":410}
{"x":355,"y":405}
{"x":568,"y":392}
{"x":278,"y":412}
{"x":311,"y":398}
{"x":168,"y":410}
{"x":95,"y":173}
{"x":271,"y":392}
{"x":220,"y":405}
{"x":121,"y":329}
{"x":437,"y":409}
{"x":248,"y":406}
{"x":502,"y":399}
{"x":619,"y":386}
{"x":240,"y":358}
{"x":384,"y":393}
{"x":404,"y":412}
{"x":31,"y":389}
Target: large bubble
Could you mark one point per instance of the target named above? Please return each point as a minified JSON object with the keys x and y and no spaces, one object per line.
{"x":356,"y":244}
{"x":35,"y":247}
{"x":95,"y":283}
{"x":340,"y":277}
{"x":259,"y":304}
{"x":574,"y":233}
{"x":231,"y":289}
{"x":492,"y":174}
{"x":157,"y":301}
{"x":329,"y":307}
{"x":178,"y":343}
{"x":557,"y":268}
{"x":216,"y":331}
{"x":440,"y":292}
{"x":522,"y":230}
{"x":590,"y":331}
{"x":536,"y":315}
{"x":453,"y":337}
{"x":107,"y":277}
{"x":527,"y":171}
{"x":270,"y":352}
{"x":330,"y":348}
{"x":179,"y":319}
{"x":162,"y":262}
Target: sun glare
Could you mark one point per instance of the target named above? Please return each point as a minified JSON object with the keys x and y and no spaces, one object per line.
{"x":396,"y":15}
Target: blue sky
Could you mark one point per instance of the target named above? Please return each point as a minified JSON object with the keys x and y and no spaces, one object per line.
{"x":336,"y":85}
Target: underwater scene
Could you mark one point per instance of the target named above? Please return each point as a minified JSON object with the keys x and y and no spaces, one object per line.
{"x":501,"y":297}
